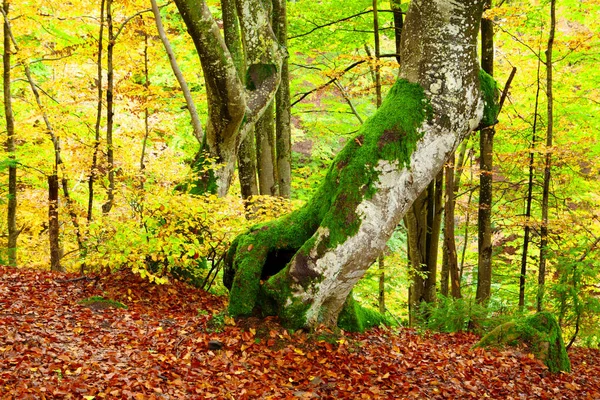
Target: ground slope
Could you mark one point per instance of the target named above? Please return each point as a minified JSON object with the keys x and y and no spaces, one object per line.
{"x":158,"y":348}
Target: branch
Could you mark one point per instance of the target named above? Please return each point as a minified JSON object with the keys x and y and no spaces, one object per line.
{"x":335,"y":22}
{"x":505,"y":91}
{"x":135,"y":15}
{"x":329,"y":82}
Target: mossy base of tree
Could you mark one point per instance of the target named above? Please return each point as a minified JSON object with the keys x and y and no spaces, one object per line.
{"x":540,"y":332}
{"x":357,"y":318}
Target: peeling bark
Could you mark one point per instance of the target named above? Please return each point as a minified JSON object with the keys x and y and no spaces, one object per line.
{"x":304,"y":266}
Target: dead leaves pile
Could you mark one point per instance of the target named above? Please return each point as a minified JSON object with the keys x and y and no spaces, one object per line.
{"x":52,"y":347}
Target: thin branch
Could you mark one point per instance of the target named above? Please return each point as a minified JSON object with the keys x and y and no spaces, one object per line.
{"x":135,"y":15}
{"x":329,"y":82}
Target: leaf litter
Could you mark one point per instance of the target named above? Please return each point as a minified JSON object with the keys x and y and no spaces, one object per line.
{"x":163,"y":347}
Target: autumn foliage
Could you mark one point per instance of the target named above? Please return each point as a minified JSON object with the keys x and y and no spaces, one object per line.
{"x":51,"y":346}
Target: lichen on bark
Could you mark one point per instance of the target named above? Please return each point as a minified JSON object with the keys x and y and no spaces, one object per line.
{"x":259,"y":278}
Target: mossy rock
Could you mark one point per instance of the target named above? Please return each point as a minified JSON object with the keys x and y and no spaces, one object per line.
{"x":540,"y":332}
{"x":97,"y":303}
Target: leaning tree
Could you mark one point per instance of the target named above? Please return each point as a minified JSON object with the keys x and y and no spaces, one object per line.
{"x":304,"y":265}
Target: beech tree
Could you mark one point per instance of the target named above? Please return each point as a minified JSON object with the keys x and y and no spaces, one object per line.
{"x":234,"y":106}
{"x":303,"y":266}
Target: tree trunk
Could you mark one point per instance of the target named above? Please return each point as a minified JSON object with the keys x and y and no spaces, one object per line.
{"x":94,"y":166}
{"x":486,"y":147}
{"x":233,"y":108}
{"x":529,"y":199}
{"x":265,"y":153}
{"x":310,"y":260}
{"x":196,"y":124}
{"x":450,"y":264}
{"x":283,"y":128}
{"x":396,"y":6}
{"x":110,"y":159}
{"x":53,"y":227}
{"x":547,"y":163}
{"x":13,"y":233}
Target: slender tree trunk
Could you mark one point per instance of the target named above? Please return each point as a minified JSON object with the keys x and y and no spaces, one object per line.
{"x":94,"y":167}
{"x":529,"y":200}
{"x":377,"y":54}
{"x":146,"y":112}
{"x":13,"y":233}
{"x":486,"y":148}
{"x":265,"y":153}
{"x":548,"y":161}
{"x":318,"y":253}
{"x":283,"y":128}
{"x":110,"y":158}
{"x":189,"y":101}
{"x":53,"y":226}
{"x":381,"y":263}
{"x":396,"y":6}
{"x":450,"y":264}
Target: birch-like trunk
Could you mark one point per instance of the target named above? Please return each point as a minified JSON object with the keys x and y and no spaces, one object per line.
{"x":304,"y":266}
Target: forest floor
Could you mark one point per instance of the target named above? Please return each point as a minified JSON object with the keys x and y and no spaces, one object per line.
{"x":51,"y":346}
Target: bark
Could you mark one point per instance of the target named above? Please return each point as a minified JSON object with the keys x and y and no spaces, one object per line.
{"x":309,"y":260}
{"x":13,"y":232}
{"x":396,"y":6}
{"x":94,"y":166}
{"x":110,"y":191}
{"x":377,"y":54}
{"x":247,"y":151}
{"x":265,"y":153}
{"x":247,"y":167}
{"x":486,"y":146}
{"x":450,"y":265}
{"x":229,"y":102}
{"x":53,"y":227}
{"x":547,"y":162}
{"x":424,"y":222}
{"x":283,"y":129}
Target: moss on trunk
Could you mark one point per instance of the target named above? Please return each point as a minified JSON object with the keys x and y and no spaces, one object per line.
{"x":259,"y":278}
{"x":540,"y":332}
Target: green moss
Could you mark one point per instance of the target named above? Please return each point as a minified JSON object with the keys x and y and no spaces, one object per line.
{"x":542,"y":335}
{"x":489,"y":88}
{"x":99,"y":302}
{"x":391,"y":134}
{"x":356,"y":318}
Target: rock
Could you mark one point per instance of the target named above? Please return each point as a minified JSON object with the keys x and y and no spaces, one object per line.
{"x":540,"y":332}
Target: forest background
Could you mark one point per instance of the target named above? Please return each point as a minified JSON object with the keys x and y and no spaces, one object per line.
{"x":140,"y":217}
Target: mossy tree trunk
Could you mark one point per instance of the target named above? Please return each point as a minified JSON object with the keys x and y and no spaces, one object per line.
{"x":234,"y":105}
{"x":303,"y":266}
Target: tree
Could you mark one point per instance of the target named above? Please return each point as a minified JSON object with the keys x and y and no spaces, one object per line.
{"x":486,"y":148}
{"x":233,"y":108}
{"x":13,"y":232}
{"x":304,"y":265}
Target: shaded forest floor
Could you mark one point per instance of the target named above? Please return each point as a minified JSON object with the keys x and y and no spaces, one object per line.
{"x":158,"y":348}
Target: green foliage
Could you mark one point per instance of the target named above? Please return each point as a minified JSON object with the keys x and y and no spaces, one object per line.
{"x":174,"y":236}
{"x":457,"y":315}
